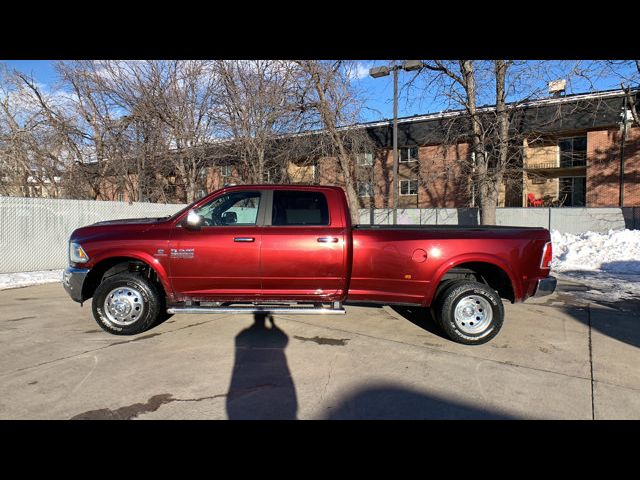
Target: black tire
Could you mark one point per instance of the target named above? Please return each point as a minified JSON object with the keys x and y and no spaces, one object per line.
{"x":436,"y":304}
{"x":478,"y":298}
{"x":163,"y":316}
{"x":142,"y":299}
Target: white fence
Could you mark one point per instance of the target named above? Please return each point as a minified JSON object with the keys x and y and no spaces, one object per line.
{"x":566,"y":220}
{"x":34,"y":231}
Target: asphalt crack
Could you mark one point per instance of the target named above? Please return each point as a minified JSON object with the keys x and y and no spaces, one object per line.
{"x":458,"y":354}
{"x":60,"y":359}
{"x":593,"y":406}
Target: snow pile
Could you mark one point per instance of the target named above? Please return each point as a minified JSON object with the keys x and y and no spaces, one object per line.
{"x":608,"y":264}
{"x":24,"y":279}
{"x":617,"y":251}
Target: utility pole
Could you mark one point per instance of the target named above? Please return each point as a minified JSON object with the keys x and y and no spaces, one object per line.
{"x":407,"y":65}
{"x":624,"y":136}
{"x":395,"y":144}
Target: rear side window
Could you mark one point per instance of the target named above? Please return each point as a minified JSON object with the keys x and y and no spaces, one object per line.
{"x":299,"y":208}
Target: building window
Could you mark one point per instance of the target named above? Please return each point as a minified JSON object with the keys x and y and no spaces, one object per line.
{"x":271,"y":175}
{"x":573,"y":151}
{"x":408,"y":187}
{"x":365,"y":190}
{"x":364,"y":158}
{"x":573,"y":191}
{"x":408,"y":154}
{"x":226,"y":171}
{"x":120,"y":197}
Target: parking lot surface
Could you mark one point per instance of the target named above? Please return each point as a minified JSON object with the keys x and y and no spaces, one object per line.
{"x":556,"y":358}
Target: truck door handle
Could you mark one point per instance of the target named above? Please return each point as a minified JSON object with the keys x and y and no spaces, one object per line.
{"x":244,"y":239}
{"x":327,"y":240}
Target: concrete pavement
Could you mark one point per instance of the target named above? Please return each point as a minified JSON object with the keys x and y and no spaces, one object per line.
{"x":556,"y":358}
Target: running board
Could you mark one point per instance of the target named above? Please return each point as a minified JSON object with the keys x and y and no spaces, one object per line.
{"x":253,"y":310}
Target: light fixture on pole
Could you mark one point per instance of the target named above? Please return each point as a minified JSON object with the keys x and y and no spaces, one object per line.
{"x":377,"y":72}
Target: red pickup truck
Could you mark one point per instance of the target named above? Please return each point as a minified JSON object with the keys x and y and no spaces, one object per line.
{"x":292,"y":250}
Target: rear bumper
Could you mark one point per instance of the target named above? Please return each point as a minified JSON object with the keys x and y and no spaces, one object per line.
{"x":73,"y":280}
{"x":545,"y":286}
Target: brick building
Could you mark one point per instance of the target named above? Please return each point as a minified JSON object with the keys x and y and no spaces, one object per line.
{"x":568,"y":154}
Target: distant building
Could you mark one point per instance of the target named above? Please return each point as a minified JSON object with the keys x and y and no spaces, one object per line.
{"x":569,"y":155}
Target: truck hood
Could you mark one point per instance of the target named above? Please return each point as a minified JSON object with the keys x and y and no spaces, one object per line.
{"x":132,"y":221}
{"x":110,"y":229}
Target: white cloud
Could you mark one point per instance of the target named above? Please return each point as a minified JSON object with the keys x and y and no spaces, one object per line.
{"x":362,"y":71}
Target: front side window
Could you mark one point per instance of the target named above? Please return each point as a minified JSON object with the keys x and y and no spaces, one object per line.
{"x":299,"y":208}
{"x":236,"y":208}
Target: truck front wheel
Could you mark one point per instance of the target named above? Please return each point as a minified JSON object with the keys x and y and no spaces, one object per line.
{"x":470,"y":312}
{"x":126,"y":304}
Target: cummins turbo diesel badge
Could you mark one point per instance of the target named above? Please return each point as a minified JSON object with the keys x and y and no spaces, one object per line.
{"x":181,"y":253}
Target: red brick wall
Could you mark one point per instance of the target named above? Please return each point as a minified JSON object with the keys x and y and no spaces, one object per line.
{"x":442,"y":180}
{"x":603,"y":168}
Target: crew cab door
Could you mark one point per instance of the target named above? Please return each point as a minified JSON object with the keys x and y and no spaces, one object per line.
{"x":220,"y":260}
{"x":303,"y":248}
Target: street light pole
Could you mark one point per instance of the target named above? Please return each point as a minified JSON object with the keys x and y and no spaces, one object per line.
{"x":395,"y":145}
{"x":407,"y":65}
{"x":624,"y":136}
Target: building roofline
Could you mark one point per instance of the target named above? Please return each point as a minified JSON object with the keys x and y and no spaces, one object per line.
{"x":488,"y":108}
{"x":573,"y":97}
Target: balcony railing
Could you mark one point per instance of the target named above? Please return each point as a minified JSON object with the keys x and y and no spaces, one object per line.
{"x":576,"y":163}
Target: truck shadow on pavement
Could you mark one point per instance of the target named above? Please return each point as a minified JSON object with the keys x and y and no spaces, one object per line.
{"x":420,"y":317}
{"x":261,"y":384}
{"x":617,"y":318}
{"x":393,"y":402}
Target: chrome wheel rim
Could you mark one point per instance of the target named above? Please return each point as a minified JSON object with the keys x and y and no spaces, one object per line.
{"x":473,"y":314}
{"x":124,"y":305}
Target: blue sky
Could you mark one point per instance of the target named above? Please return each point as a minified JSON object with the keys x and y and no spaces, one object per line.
{"x":376,"y":93}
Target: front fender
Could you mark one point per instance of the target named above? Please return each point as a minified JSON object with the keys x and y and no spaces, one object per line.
{"x":148,"y":259}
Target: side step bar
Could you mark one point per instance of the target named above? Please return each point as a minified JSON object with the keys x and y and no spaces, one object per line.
{"x":252,"y":310}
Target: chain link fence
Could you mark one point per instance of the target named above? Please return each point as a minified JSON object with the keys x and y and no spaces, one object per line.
{"x":34,"y":232}
{"x":565,"y":220}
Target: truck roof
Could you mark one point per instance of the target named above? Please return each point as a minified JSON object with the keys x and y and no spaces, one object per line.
{"x":286,"y":186}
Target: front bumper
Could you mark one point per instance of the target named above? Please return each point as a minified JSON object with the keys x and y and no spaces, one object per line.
{"x":545,"y":286}
{"x":73,"y":280}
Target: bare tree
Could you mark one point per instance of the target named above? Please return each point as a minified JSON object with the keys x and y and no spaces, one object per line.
{"x":258,"y":104}
{"x":30,"y":153}
{"x":628,"y":71}
{"x":327,"y":92}
{"x":491,"y":94}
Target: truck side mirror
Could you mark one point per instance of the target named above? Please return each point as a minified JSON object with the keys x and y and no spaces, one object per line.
{"x":193,"y":221}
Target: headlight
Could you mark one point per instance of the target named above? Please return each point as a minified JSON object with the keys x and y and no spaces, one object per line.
{"x":77,"y":254}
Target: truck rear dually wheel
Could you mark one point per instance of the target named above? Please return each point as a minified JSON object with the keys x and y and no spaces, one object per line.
{"x":469,"y":312}
{"x":126,"y":304}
